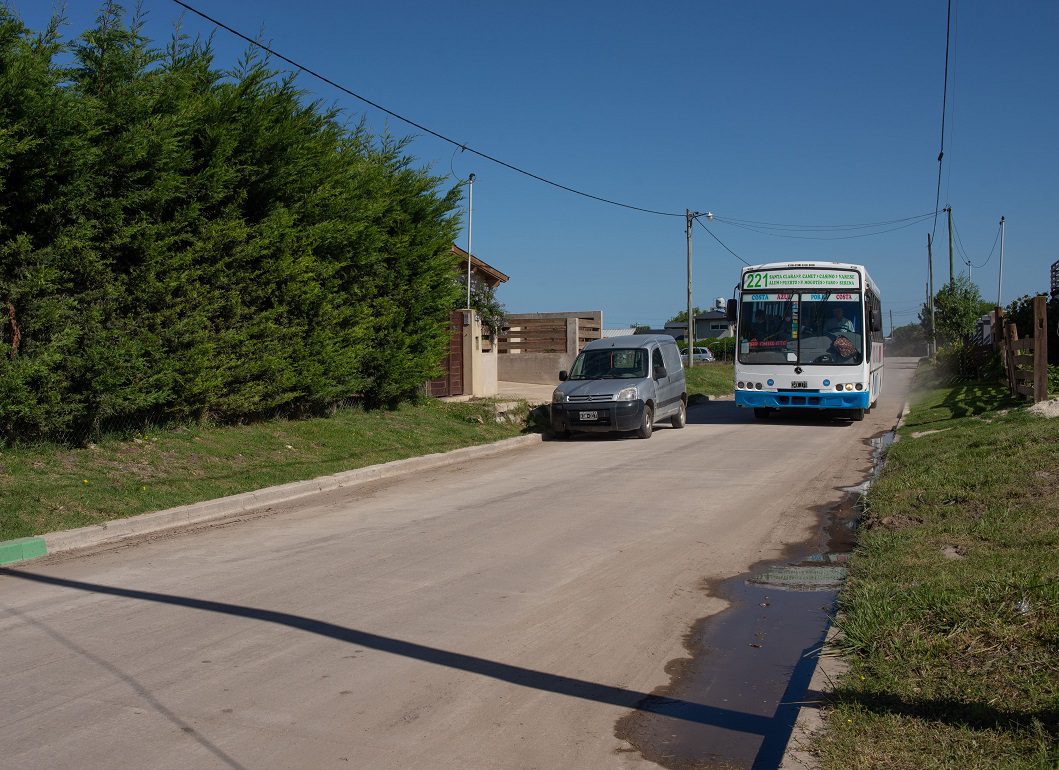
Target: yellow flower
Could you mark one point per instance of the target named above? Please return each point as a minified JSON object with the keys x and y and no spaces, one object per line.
{"x":84,"y":481}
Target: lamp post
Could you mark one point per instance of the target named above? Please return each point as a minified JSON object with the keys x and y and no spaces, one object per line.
{"x":470,"y":222}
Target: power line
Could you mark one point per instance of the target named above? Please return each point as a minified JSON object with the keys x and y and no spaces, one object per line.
{"x":766,"y":231}
{"x":963,"y":251}
{"x":944,"y":105}
{"x":800,"y":227}
{"x":409,"y":121}
{"x":704,"y":227}
{"x":955,"y":92}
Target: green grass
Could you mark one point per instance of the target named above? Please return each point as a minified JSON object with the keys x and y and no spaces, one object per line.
{"x":714,"y":379}
{"x":48,"y":488}
{"x":950,"y":619}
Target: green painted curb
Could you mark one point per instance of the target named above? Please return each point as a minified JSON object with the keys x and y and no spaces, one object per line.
{"x":22,"y":549}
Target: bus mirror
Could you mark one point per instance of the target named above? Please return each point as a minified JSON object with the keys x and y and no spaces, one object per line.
{"x":732,"y":310}
{"x":873,"y":320}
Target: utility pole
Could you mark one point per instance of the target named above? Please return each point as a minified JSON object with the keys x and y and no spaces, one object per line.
{"x":930,"y":295}
{"x":690,"y":336}
{"x":891,"y":323}
{"x":1000,"y":279}
{"x":470,"y":220}
{"x":952,"y":278}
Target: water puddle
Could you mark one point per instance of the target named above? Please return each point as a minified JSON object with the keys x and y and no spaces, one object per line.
{"x":733,"y":704}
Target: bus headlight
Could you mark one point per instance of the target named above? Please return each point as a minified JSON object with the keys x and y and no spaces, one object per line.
{"x":859,"y":386}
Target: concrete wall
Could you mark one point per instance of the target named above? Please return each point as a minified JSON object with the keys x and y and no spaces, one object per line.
{"x":541,"y":368}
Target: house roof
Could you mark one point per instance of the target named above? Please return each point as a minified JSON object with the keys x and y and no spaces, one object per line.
{"x":489,"y":274}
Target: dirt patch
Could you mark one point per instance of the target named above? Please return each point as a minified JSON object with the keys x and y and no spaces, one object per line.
{"x":922,"y":433}
{"x":898,"y":521}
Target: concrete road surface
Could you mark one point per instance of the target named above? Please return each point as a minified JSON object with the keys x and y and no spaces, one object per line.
{"x":499,"y":615}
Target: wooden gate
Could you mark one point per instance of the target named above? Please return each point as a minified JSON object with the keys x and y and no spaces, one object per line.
{"x":450,"y":383}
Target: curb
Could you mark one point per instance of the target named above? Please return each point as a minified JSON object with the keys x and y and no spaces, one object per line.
{"x":798,"y":755}
{"x":221,"y":508}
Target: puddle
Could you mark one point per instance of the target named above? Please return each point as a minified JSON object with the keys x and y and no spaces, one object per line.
{"x":733,"y":704}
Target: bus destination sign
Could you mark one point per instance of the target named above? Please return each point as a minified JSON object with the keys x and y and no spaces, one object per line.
{"x":796,"y":279}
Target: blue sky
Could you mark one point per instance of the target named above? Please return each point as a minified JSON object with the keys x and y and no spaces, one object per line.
{"x":810,"y":113}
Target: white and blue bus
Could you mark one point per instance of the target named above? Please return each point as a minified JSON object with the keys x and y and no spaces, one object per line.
{"x":809,"y":336}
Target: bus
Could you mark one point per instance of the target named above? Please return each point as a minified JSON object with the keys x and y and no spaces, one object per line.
{"x":808,"y":336}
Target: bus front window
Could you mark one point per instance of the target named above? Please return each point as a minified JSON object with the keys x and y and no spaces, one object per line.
{"x":832,"y":329}
{"x":768,"y":329}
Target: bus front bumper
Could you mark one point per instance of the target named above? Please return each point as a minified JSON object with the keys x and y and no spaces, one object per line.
{"x":801,"y":399}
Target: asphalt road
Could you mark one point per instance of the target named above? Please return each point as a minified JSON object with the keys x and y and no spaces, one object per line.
{"x":504,"y":614}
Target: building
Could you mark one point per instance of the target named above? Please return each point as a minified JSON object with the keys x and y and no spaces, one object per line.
{"x":708,"y":325}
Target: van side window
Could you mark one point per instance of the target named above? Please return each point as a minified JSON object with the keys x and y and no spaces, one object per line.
{"x":656,"y":360}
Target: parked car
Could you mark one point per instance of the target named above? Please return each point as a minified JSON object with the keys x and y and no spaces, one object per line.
{"x":700,"y":355}
{"x":622,"y":384}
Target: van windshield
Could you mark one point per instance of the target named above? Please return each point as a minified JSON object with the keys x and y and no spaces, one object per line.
{"x":610,"y":364}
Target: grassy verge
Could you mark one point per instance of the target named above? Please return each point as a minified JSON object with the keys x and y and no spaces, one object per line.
{"x":710,"y":379}
{"x":49,"y":488}
{"x":950,"y":619}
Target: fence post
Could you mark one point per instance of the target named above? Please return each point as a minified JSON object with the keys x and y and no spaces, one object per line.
{"x":1011,"y":335}
{"x":1040,"y":349}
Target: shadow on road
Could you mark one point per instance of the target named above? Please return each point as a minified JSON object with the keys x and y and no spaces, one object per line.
{"x":775,"y":728}
{"x":727,"y":413}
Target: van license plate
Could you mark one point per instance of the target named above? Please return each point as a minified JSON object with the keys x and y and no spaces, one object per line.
{"x":799,"y":383}
{"x":588,"y":416}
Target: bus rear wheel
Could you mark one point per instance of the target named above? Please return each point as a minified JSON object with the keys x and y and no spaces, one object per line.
{"x":856,"y":415}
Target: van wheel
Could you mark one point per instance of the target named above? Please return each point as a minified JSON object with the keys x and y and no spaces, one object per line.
{"x":647,"y":423}
{"x":680,"y":419}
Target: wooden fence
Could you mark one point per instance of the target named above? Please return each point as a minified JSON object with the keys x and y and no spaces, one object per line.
{"x":1025,"y":359}
{"x":549,"y":332}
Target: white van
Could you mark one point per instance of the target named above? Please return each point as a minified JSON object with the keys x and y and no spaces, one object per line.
{"x":622,"y":384}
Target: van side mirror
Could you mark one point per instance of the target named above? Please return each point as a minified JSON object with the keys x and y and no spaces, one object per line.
{"x":563,"y":375}
{"x":732,"y":310}
{"x":660,"y":372}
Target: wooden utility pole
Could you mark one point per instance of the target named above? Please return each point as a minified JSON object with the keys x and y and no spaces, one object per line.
{"x":690,"y":336}
{"x":952,"y":276}
{"x":930,"y":295}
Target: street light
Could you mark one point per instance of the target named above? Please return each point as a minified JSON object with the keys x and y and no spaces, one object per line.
{"x":470,"y":220}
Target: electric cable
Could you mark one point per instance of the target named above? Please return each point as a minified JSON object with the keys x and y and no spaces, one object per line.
{"x":414,"y":124}
{"x":764,"y":231}
{"x":704,"y":227}
{"x":963,"y":251}
{"x":944,"y":105}
{"x":797,"y":227}
{"x":955,"y":92}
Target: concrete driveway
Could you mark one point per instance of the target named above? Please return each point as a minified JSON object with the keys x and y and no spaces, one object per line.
{"x":503,"y":614}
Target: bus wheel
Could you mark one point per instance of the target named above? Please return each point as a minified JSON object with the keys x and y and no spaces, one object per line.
{"x":762,"y":412}
{"x":856,"y":415}
{"x":647,"y":424}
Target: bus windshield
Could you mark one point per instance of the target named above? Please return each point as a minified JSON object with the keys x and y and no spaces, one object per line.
{"x":610,"y":364}
{"x":801,"y":328}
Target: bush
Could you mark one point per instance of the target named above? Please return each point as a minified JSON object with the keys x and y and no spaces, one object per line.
{"x":181,"y":243}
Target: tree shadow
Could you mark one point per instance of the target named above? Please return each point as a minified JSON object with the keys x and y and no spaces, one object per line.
{"x":775,"y":729}
{"x":947,"y":711}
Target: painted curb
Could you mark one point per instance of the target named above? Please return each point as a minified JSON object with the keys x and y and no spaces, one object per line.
{"x":221,"y":508}
{"x":21,"y":549}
